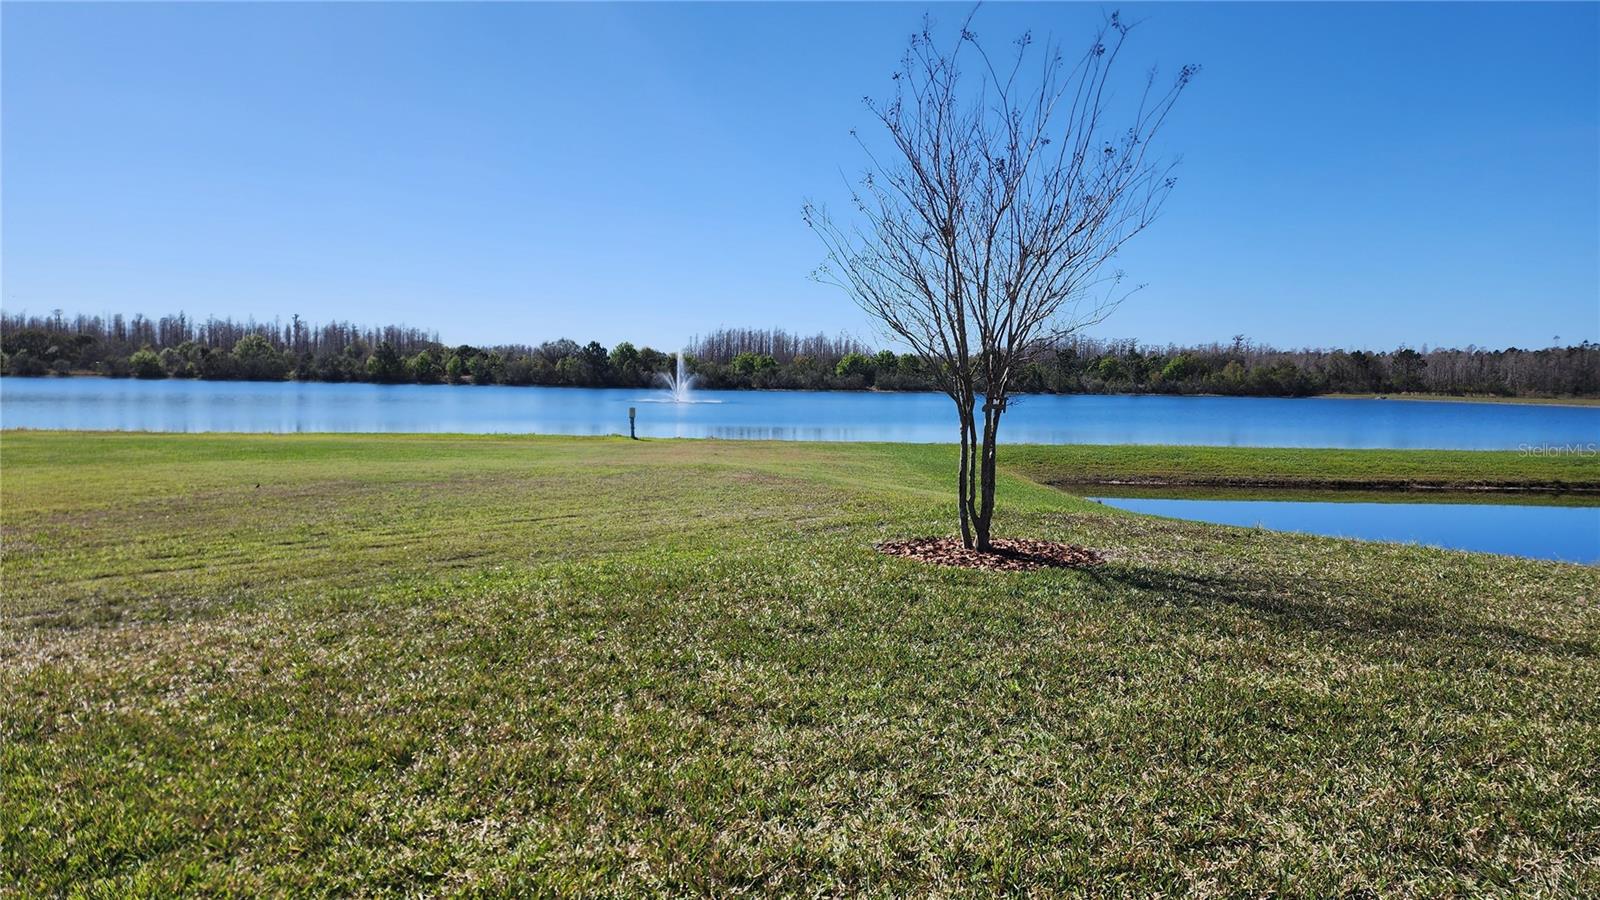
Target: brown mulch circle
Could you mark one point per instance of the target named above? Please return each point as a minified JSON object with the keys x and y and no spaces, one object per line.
{"x":1008,"y":555}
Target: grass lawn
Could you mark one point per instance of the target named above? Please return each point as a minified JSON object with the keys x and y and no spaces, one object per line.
{"x":1427,"y":473}
{"x":425,"y":664}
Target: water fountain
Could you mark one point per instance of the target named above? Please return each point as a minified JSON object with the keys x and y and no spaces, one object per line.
{"x":681,"y":383}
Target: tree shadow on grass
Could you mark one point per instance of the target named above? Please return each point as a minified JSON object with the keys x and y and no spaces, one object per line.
{"x":1329,"y":606}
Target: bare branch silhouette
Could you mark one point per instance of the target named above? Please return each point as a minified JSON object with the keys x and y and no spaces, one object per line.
{"x":986,"y":235}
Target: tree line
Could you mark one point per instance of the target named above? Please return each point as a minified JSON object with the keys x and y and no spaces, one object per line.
{"x":177,"y":346}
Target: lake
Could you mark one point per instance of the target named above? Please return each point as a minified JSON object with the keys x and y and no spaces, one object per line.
{"x":1570,"y":534}
{"x":86,"y":403}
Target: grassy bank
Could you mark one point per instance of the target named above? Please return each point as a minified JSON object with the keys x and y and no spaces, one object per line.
{"x":1372,"y":471}
{"x":347,"y":664}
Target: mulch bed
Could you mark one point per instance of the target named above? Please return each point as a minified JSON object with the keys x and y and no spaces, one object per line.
{"x":1008,"y":555}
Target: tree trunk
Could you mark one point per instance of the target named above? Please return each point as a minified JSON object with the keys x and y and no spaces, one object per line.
{"x":970,"y":512}
{"x":984,"y":514}
{"x":964,"y":475}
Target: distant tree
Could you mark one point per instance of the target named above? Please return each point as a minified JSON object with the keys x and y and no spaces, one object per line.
{"x":385,"y":364}
{"x":174,"y":363}
{"x":1406,"y":369}
{"x":808,"y":371}
{"x":652,"y":360}
{"x":1031,"y":379}
{"x":853,"y":366}
{"x":218,"y":366}
{"x":556,"y":350}
{"x":1111,"y":370}
{"x":983,"y":232}
{"x":305,"y":365}
{"x":146,"y":363}
{"x":454,"y":368}
{"x":1231,"y":380}
{"x":595,"y":355}
{"x":424,"y":368}
{"x":258,"y":360}
{"x":520,"y":370}
{"x":624,"y":364}
{"x":32,"y":341}
{"x":339,"y":367}
{"x":24,"y":362}
{"x":749,"y":364}
{"x":1180,"y":368}
{"x":758,"y":357}
{"x":83,"y":342}
{"x":487,"y":368}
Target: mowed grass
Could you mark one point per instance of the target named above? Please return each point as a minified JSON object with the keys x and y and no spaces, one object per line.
{"x":435,"y":665}
{"x":1485,"y":472}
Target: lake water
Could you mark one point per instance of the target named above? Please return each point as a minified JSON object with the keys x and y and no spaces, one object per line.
{"x":174,"y":405}
{"x":1570,"y":534}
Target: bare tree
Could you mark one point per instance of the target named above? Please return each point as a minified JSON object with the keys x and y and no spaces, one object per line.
{"x":983,"y":230}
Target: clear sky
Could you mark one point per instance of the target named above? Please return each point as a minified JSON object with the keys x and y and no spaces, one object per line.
{"x":1359,"y":175}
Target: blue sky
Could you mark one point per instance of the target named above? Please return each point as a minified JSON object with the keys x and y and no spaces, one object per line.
{"x":1355,"y":175}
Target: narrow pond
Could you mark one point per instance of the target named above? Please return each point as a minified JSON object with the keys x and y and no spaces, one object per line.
{"x":1565,"y":533}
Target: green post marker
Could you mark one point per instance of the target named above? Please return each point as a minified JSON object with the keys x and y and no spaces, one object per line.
{"x":631,"y":413}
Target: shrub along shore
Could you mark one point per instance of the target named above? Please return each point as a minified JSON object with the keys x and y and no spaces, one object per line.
{"x":334,"y":664}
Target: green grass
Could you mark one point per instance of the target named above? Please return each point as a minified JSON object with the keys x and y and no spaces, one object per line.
{"x":1443,"y":471}
{"x":417,"y":664}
